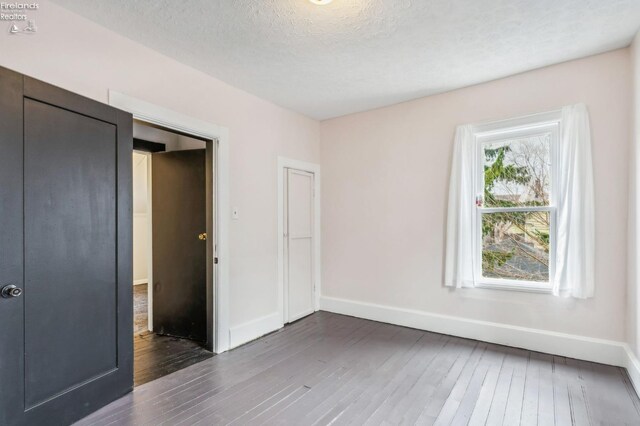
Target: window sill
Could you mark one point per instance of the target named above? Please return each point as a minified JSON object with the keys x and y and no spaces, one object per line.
{"x":514,"y":286}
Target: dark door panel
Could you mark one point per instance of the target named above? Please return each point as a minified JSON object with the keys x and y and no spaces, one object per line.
{"x":65,"y":236}
{"x":53,"y":95}
{"x":179,"y":256}
{"x":70,"y":249}
{"x":11,"y":247}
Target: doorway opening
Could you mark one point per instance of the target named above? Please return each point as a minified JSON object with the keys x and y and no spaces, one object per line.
{"x":173,"y":261}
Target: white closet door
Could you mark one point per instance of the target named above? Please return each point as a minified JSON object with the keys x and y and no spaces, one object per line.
{"x":299,"y":242}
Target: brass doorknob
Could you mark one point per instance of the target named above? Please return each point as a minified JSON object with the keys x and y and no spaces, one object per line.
{"x":202,"y":236}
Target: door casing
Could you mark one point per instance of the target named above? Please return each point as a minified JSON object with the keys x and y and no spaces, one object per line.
{"x":180,"y":123}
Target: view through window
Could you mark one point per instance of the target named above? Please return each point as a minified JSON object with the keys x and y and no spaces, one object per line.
{"x":515,"y":207}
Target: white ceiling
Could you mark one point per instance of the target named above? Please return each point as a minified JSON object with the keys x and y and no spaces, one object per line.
{"x":354,"y":55}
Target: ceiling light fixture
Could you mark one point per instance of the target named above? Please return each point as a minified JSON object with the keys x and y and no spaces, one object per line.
{"x":320,"y":2}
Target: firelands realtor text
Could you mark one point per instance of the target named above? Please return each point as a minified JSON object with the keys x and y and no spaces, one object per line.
{"x":13,"y":11}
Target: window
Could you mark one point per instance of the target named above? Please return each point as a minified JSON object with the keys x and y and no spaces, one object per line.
{"x":521,"y":210}
{"x":515,"y":206}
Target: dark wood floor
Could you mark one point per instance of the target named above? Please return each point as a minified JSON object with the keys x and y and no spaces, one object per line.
{"x":333,"y":369}
{"x":156,"y":356}
{"x":140,"y":309}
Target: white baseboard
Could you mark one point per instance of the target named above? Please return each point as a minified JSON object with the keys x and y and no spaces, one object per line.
{"x":140,"y":281}
{"x":632,"y":364}
{"x":253,"y":329}
{"x":568,"y":345}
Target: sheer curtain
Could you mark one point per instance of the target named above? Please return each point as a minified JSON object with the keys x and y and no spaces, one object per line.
{"x":459,"y":268}
{"x":575,"y":224}
{"x":575,"y":229}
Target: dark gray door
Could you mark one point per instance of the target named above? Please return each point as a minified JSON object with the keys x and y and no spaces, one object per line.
{"x":65,"y":241}
{"x":179,"y":255}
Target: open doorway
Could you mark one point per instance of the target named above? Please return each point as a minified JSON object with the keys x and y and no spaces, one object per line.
{"x":172,"y":258}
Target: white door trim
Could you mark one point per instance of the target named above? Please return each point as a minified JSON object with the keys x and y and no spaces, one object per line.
{"x":163,"y":117}
{"x":283,"y":164}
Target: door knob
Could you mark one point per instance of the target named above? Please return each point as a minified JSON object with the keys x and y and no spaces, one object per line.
{"x":202,"y":236}
{"x":10,"y":291}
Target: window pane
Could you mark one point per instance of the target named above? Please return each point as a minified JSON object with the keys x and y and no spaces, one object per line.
{"x":517,"y":172}
{"x":515,"y":245}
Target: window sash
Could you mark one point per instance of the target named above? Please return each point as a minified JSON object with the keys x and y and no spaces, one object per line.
{"x":483,"y":139}
{"x":514,"y":284}
{"x":516,"y":209}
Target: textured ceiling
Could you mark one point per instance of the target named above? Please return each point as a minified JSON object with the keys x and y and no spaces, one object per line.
{"x":354,"y":55}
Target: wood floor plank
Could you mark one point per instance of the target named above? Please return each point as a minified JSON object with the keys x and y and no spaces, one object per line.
{"x":332,"y":369}
{"x":436,"y":383}
{"x":387,"y":378}
{"x":502,"y":386}
{"x":580,"y":414}
{"x":546,"y":414}
{"x":409,"y":393}
{"x":487,"y":392}
{"x":402,"y":383}
{"x":435,"y":401}
{"x":513,"y":410}
{"x":452,"y":403}
{"x":561,"y":403}
{"x":529,"y":415}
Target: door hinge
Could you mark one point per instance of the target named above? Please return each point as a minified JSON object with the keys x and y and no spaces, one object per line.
{"x":215,"y":260}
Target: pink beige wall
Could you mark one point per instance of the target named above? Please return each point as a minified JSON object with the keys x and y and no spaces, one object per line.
{"x":385,"y":179}
{"x":78,"y":55}
{"x":633,"y":302}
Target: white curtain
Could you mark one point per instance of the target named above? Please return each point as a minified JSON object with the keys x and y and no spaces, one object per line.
{"x":575,"y":226}
{"x":459,"y":268}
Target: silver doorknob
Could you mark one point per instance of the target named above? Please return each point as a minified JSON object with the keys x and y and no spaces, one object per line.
{"x":10,"y":291}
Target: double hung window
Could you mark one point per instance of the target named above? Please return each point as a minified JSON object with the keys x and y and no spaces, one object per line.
{"x":515,"y":215}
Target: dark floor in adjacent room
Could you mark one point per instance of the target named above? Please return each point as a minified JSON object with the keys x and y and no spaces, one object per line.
{"x":334,"y":369}
{"x":140,"y":309}
{"x":154,"y":355}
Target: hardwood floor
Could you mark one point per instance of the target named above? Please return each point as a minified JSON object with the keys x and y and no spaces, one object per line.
{"x":156,"y":356}
{"x":333,"y":369}
{"x":140,"y":309}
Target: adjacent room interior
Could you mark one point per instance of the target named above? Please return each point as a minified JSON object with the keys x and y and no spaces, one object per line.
{"x":320,"y":212}
{"x":169,"y":252}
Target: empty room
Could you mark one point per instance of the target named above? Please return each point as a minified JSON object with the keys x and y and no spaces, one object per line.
{"x":317,"y":212}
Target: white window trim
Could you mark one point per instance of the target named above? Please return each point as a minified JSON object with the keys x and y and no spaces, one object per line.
{"x":549,"y":122}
